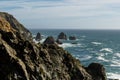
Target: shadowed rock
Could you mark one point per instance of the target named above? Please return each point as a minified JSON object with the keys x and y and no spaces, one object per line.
{"x":49,"y":40}
{"x":97,"y":71}
{"x":72,"y":38}
{"x":38,"y":37}
{"x":62,"y":36}
{"x":113,"y":79}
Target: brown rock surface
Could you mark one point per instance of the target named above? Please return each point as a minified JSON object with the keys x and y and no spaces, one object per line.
{"x":17,"y":26}
{"x":21,"y":59}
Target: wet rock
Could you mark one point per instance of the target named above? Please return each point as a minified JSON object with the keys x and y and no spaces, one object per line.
{"x":49,"y":40}
{"x":38,"y":37}
{"x":62,"y":35}
{"x":72,"y":38}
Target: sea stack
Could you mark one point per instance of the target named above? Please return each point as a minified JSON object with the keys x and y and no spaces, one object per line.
{"x":22,"y":59}
{"x":38,"y":37}
{"x":62,"y":35}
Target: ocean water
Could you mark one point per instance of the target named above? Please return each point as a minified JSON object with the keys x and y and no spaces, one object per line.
{"x":102,"y":46}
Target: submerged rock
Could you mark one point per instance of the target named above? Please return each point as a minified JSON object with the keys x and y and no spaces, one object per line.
{"x":21,"y":59}
{"x":38,"y":37}
{"x":62,"y":35}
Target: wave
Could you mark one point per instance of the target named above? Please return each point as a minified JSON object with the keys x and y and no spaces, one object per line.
{"x":117,"y":54}
{"x":96,"y":43}
{"x":41,"y":41}
{"x":106,"y":50}
{"x":113,"y":76}
{"x":102,"y":58}
{"x":83,"y":58}
{"x":115,"y":63}
{"x":66,"y":45}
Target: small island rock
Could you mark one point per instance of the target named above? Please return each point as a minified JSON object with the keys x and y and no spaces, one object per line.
{"x":62,"y":35}
{"x":38,"y":37}
{"x":72,"y":38}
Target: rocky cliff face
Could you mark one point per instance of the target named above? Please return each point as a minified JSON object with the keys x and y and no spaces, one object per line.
{"x":16,"y":25}
{"x":21,"y":59}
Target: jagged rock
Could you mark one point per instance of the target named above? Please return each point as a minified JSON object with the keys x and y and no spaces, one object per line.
{"x":38,"y":37}
{"x":62,"y":35}
{"x":49,"y":40}
{"x":97,"y":71}
{"x":21,"y":59}
{"x":26,"y":34}
{"x":58,"y":41}
{"x":72,"y":38}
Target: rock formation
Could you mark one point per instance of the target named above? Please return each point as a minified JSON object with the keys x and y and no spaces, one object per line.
{"x":24,"y":33}
{"x":21,"y":59}
{"x":38,"y":37}
{"x":62,"y":35}
{"x":49,"y":40}
{"x":72,"y":38}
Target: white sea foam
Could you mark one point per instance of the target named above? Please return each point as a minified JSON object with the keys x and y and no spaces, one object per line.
{"x":66,"y":45}
{"x":117,"y":54}
{"x":115,"y":63}
{"x":96,"y":43}
{"x":107,"y":50}
{"x":102,"y":58}
{"x":41,"y":41}
{"x":85,"y":57}
{"x":113,"y":76}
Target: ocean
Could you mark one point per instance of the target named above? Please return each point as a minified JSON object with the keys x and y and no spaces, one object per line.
{"x":101,"y":46}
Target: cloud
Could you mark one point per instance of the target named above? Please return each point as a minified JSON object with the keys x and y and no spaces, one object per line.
{"x":63,"y":13}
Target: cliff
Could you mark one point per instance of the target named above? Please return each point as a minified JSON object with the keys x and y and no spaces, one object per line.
{"x":24,"y":33}
{"x":21,"y":59}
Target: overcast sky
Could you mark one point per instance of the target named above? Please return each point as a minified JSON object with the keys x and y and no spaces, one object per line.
{"x":65,"y":14}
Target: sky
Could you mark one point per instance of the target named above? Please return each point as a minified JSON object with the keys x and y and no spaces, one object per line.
{"x":65,"y":14}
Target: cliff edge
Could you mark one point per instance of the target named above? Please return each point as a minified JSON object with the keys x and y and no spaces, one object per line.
{"x":21,"y":59}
